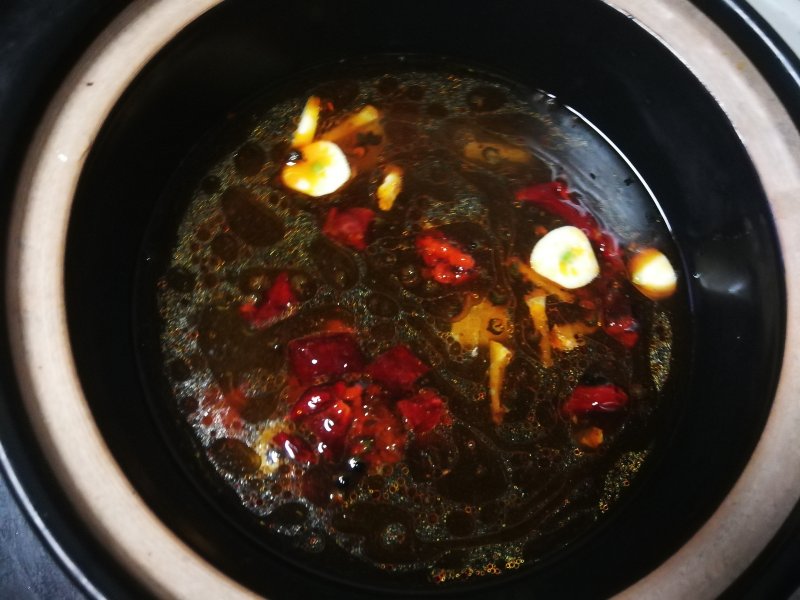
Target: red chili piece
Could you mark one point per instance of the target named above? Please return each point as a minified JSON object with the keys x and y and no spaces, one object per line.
{"x":618,"y":319}
{"x":274,"y":303}
{"x":448,"y":264}
{"x":328,"y":354}
{"x":234,"y":398}
{"x":595,"y":398}
{"x":554,"y":197}
{"x":330,"y":426}
{"x":377,"y":436}
{"x":397,"y":369}
{"x":295,"y":447}
{"x":325,"y":412}
{"x":315,"y":399}
{"x":349,"y":226}
{"x":424,"y":411}
{"x":336,"y":420}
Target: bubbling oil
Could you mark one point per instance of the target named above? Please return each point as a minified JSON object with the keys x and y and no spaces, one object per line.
{"x":474,"y":498}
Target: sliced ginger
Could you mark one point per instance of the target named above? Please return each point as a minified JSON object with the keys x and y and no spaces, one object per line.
{"x":549,"y":287}
{"x":492,"y":153}
{"x":360,"y":136}
{"x":569,"y":336}
{"x":499,"y":358}
{"x":351,"y":125}
{"x":484,"y":323}
{"x":307,"y":126}
{"x":390,"y":187}
{"x":537,"y":305}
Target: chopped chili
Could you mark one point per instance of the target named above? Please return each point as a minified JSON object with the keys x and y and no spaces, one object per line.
{"x":397,"y":369}
{"x":349,"y":226}
{"x":595,"y":398}
{"x":275,"y":302}
{"x":446,"y":263}
{"x":326,"y":355}
{"x":294,"y":447}
{"x":424,"y":411}
{"x":618,"y":319}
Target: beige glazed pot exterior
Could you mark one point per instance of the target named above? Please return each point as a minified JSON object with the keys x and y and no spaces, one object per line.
{"x":766,"y":492}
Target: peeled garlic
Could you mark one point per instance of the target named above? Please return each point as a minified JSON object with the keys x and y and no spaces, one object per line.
{"x":322,"y":169}
{"x":653,"y":274}
{"x":565,"y":256}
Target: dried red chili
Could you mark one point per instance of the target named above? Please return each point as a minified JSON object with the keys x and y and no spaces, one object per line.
{"x":447,"y":263}
{"x":294,"y":447}
{"x":377,"y":436}
{"x":326,"y":354}
{"x":349,"y":226}
{"x":424,"y":411}
{"x":595,"y":398}
{"x":618,"y":319}
{"x":276,"y":301}
{"x":397,"y":369}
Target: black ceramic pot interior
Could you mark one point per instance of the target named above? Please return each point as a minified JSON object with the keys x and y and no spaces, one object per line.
{"x":593,"y":59}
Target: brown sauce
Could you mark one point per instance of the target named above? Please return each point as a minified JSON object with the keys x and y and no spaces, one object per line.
{"x":474,"y":490}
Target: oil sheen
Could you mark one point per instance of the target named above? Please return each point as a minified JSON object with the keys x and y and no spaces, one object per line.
{"x":491,"y":484}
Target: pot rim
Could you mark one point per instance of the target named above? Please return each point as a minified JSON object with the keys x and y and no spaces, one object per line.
{"x":94,"y":482}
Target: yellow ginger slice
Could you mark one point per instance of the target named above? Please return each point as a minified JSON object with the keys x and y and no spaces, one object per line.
{"x":307,"y":126}
{"x":569,"y":336}
{"x":565,"y":256}
{"x":352,"y":124}
{"x":537,"y":305}
{"x":322,"y":169}
{"x":544,"y":284}
{"x":493,"y":153}
{"x":653,"y":274}
{"x":499,"y":358}
{"x":483,"y":323}
{"x":390,"y":187}
{"x":361,"y":137}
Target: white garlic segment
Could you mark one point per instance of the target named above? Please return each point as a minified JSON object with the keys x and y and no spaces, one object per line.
{"x":653,"y":274}
{"x":565,"y":256}
{"x":322,"y":169}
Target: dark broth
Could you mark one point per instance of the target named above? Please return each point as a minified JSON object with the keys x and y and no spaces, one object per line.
{"x":478,"y":493}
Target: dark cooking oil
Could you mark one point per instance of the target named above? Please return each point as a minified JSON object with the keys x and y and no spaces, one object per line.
{"x":475,"y":498}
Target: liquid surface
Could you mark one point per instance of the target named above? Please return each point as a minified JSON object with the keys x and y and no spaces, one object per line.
{"x":392,"y":379}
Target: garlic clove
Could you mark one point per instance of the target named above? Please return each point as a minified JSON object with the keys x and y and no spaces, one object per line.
{"x":566,"y":257}
{"x":653,"y":274}
{"x":321,"y":169}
